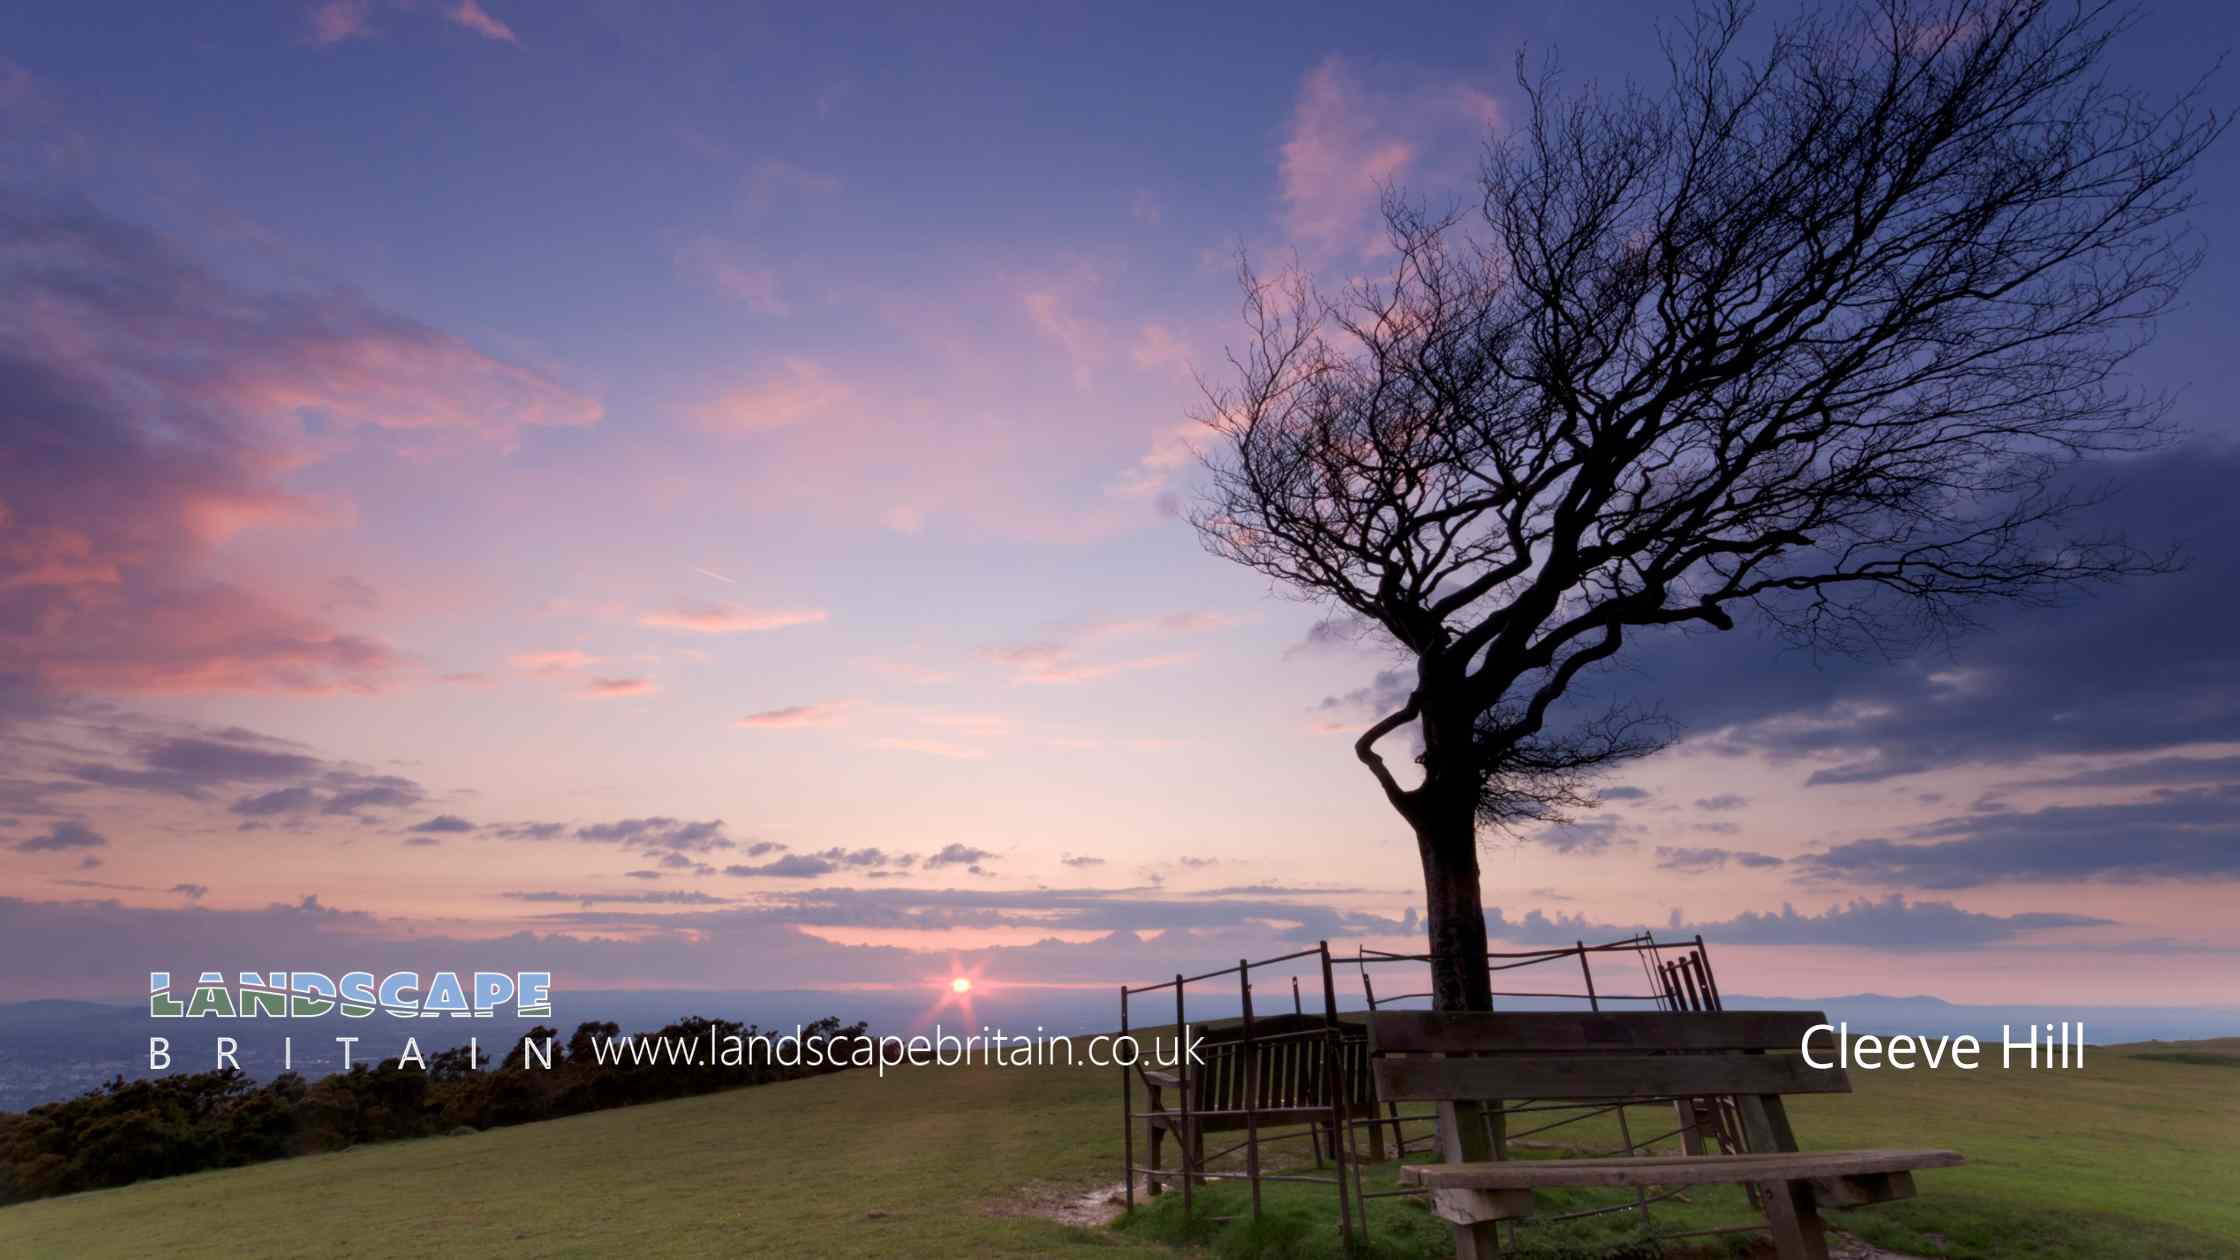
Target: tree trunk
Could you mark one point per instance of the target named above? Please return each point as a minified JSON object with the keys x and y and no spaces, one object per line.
{"x":1447,"y":839}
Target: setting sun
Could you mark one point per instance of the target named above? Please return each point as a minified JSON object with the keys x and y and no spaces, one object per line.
{"x":960,"y":985}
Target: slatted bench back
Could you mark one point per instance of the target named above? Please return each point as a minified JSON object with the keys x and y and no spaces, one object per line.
{"x":1423,"y":1056}
{"x":1292,"y":1067}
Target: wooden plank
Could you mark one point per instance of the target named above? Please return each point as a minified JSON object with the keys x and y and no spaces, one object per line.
{"x":1863,"y":1158}
{"x":1425,"y":1079}
{"x":1861,"y":1189}
{"x":1522,"y":1032}
{"x":1672,"y":1170}
{"x":1467,"y":1206}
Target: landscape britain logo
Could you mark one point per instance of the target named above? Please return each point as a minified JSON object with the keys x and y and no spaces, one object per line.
{"x":357,"y":995}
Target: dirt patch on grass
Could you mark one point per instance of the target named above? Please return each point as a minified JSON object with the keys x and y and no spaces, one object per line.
{"x":1098,"y":1206}
{"x":1091,"y":1208}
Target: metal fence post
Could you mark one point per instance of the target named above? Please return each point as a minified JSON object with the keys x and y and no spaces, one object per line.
{"x":1251,"y":1088}
{"x":1334,"y":1082}
{"x":1184,"y":1084}
{"x":1625,"y":1130}
{"x":1127,"y":1114}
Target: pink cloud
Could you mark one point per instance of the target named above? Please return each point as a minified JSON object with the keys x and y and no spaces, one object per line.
{"x":1345,"y":140}
{"x":772,"y":177}
{"x":965,"y":723}
{"x":1047,"y":663}
{"x":345,"y":363}
{"x":104,"y":627}
{"x":1172,"y":451}
{"x":724,"y":268}
{"x":943,"y":416}
{"x":1157,"y":347}
{"x":616,"y":688}
{"x":829,"y":713}
{"x":1055,"y":319}
{"x":149,"y":324}
{"x":474,"y":17}
{"x":186,"y":640}
{"x":728,"y":618}
{"x":909,"y":672}
{"x":1188,"y":622}
{"x":1334,"y":156}
{"x":1060,"y":660}
{"x":1061,"y":671}
{"x":800,"y":390}
{"x":933,"y":748}
{"x":338,"y":20}
{"x":587,"y":610}
{"x":559,"y":660}
{"x":134,"y":468}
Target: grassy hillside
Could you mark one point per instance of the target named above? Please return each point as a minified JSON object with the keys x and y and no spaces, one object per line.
{"x":2138,"y":1156}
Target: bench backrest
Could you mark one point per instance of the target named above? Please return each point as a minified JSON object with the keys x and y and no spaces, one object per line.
{"x":1424,"y":1056}
{"x":1290,"y":1052}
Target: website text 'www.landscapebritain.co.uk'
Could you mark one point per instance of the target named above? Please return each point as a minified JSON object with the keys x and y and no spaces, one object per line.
{"x":1280,"y":630}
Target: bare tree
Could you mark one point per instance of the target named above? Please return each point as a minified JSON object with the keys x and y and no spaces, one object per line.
{"x":1817,"y":334}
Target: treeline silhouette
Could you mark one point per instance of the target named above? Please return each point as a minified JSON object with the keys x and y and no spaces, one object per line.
{"x":127,"y":1131}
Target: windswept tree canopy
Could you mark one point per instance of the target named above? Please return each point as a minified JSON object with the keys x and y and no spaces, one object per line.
{"x":1815,"y":332}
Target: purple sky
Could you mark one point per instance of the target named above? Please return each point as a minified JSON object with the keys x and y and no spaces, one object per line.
{"x":689,"y":497}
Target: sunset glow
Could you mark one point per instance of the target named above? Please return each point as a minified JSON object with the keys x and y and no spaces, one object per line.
{"x":869,"y":630}
{"x":707,"y":508}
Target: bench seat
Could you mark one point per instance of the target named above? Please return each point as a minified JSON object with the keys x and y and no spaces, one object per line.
{"x":1670,"y":1170}
{"x":1473,"y":1195}
{"x":1279,"y":1077}
{"x":1705,"y":1064}
{"x":1232,"y":1118}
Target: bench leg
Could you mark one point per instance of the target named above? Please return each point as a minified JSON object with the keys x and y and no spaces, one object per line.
{"x":1481,"y":1241}
{"x":1474,"y":1215}
{"x":1691,"y":1126}
{"x":1798,"y":1233}
{"x":1465,"y":1137}
{"x":1152,"y":1184}
{"x":1196,"y":1146}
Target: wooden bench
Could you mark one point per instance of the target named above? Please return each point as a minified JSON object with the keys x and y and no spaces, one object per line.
{"x":1283,"y":1077}
{"x":1465,"y":1062}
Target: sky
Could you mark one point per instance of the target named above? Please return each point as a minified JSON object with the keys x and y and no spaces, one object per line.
{"x":691,"y":497}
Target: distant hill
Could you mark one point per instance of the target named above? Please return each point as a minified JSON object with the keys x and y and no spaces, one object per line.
{"x":53,"y":1049}
{"x":2133,"y":1160}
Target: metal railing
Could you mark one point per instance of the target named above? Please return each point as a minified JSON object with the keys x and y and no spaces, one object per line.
{"x":1186,"y":1123}
{"x":1681,"y":983}
{"x":1677,"y":984}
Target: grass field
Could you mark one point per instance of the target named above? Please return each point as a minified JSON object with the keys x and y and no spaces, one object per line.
{"x":2137,"y":1156}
